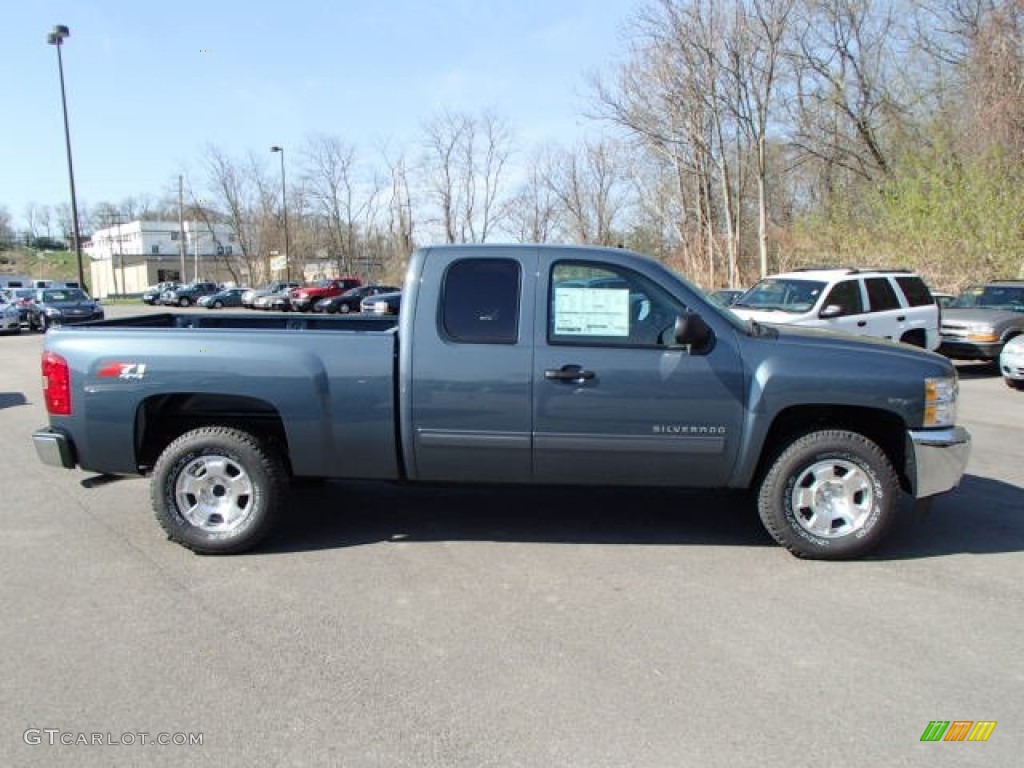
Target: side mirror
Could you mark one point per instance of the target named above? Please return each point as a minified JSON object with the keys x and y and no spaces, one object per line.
{"x":691,"y":331}
{"x":832,"y":310}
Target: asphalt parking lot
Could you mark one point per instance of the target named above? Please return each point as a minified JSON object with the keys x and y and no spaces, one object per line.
{"x":463,"y":627}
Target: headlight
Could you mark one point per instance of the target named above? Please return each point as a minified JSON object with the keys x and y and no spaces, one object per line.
{"x":981,"y":332}
{"x":940,"y":401}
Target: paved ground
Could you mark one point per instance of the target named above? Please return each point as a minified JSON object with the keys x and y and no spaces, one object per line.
{"x":389,"y":627}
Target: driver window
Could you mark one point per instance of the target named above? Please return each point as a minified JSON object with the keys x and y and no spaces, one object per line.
{"x":845,"y":294}
{"x":598,"y":305}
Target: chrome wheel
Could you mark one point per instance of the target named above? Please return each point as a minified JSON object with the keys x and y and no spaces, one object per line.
{"x":214,"y":493}
{"x":832,"y":498}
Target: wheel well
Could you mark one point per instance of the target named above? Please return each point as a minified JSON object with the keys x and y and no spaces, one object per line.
{"x":163,"y":418}
{"x":884,"y":428}
{"x":916,"y":337}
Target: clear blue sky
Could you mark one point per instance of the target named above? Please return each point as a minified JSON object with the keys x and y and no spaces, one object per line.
{"x":150,"y":84}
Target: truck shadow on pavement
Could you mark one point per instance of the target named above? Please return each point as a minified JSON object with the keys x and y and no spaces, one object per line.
{"x":12,"y":399}
{"x":983,"y":516}
{"x":351,"y":514}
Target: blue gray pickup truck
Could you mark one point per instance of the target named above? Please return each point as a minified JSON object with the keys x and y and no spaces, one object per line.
{"x":509,"y":364}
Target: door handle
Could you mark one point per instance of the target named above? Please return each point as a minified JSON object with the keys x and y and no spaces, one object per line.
{"x":568,"y":373}
{"x":861,"y":323}
{"x":902,"y":318}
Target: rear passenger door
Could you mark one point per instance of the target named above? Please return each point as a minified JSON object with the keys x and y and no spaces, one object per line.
{"x":887,"y":316}
{"x":470,"y":390}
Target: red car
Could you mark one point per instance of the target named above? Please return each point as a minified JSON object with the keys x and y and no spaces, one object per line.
{"x":304,"y":298}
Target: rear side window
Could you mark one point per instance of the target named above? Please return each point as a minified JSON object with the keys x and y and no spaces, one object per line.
{"x":915,"y":290}
{"x":480,"y":301}
{"x":881,"y":294}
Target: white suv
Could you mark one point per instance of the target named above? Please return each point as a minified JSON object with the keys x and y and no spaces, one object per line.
{"x":891,"y":304}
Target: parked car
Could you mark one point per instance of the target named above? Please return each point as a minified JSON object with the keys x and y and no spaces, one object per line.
{"x":250,"y":296}
{"x":187,"y":295}
{"x":229,"y":297}
{"x":62,"y":306}
{"x":350,"y":300}
{"x":1011,"y":362}
{"x":279,"y":302}
{"x":891,"y":304}
{"x":977,"y":324}
{"x":303,"y":299}
{"x":22,"y":299}
{"x":153,"y":293}
{"x":726,"y":296}
{"x":10,"y":321}
{"x":382,"y":303}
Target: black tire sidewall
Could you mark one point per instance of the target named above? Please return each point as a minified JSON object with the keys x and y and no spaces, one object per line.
{"x":260,"y":464}
{"x":775,"y":498}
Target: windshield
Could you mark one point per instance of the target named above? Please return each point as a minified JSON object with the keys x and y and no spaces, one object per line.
{"x":1009,"y":297}
{"x":66,"y":294}
{"x":785,"y":294}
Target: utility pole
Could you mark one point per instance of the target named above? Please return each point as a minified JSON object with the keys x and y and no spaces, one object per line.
{"x":181,"y":224}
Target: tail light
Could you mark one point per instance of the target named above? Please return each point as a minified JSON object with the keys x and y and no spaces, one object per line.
{"x":56,"y":384}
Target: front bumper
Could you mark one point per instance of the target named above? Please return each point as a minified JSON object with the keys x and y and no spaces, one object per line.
{"x":54,"y":448}
{"x":958,"y":349}
{"x":937,"y":459}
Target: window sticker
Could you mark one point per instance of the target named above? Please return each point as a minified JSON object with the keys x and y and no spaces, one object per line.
{"x":591,"y":311}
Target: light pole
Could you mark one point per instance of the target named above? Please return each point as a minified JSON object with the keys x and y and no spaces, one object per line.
{"x":284,"y":206}
{"x":56,"y":38}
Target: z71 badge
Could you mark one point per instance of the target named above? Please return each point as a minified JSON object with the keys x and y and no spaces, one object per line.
{"x":126,"y":371}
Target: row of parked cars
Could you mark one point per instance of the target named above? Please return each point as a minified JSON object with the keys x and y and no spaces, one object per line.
{"x":340,"y":295}
{"x":985,"y":322}
{"x":40,"y":308}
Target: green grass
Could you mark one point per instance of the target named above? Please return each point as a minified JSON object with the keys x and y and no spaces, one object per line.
{"x":40,"y":265}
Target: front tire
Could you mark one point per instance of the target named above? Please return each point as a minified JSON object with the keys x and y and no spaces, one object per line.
{"x":218,"y":490}
{"x":183,"y":302}
{"x":1014,"y":383}
{"x":218,"y":304}
{"x":829,"y":495}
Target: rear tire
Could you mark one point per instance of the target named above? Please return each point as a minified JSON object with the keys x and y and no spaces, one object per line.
{"x":829,"y":495}
{"x":183,"y":302}
{"x":344,"y":309}
{"x":218,"y":490}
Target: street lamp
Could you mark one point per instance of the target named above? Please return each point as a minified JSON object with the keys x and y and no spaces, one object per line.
{"x":56,"y":38}
{"x":284,"y":206}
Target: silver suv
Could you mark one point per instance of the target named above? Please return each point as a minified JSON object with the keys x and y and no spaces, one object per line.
{"x":978,"y":322}
{"x":889,"y":303}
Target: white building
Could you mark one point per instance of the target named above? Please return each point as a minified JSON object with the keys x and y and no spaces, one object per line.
{"x":127,"y":258}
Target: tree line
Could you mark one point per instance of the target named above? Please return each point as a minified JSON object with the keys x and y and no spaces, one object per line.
{"x":735,"y":138}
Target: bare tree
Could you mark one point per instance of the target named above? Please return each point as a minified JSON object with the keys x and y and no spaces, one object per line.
{"x":343,"y":198}
{"x":244,"y":192}
{"x":532,"y":215}
{"x":844,"y":65}
{"x":464,"y":168}
{"x":754,"y":49}
{"x":589,"y":185}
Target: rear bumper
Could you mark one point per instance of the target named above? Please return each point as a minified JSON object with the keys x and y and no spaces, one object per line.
{"x":937,"y":459}
{"x":54,"y":448}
